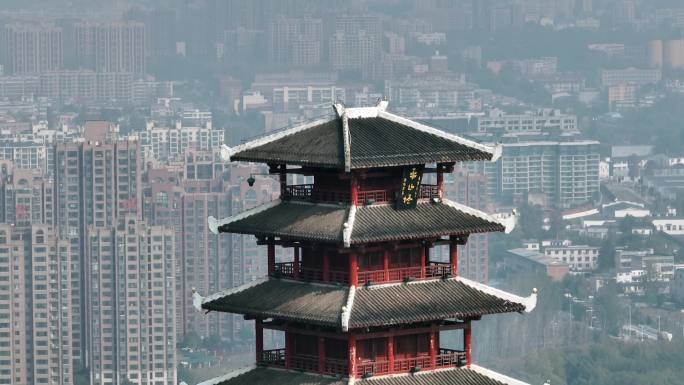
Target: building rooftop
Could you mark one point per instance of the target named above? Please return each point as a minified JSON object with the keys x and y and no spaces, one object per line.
{"x":353,"y":308}
{"x":374,"y":223}
{"x":358,"y":138}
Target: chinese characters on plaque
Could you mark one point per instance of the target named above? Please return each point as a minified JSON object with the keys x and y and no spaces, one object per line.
{"x":410,"y":186}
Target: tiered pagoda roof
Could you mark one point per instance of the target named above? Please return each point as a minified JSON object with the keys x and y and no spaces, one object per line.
{"x":375,"y":305}
{"x":475,"y":375}
{"x":393,"y":224}
{"x":351,"y":225}
{"x":360,"y":138}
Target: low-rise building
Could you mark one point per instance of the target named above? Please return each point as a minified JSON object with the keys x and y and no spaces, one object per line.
{"x":578,"y":257}
{"x":523,"y":259}
{"x":669,"y":225}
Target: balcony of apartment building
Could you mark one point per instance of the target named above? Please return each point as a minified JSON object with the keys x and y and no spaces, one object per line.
{"x":367,"y":354}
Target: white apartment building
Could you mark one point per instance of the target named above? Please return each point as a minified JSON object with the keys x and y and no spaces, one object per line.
{"x":497,"y":121}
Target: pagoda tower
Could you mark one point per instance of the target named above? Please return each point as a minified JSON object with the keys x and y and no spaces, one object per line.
{"x":359,"y":299}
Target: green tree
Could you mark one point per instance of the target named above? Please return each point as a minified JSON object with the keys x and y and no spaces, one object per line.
{"x":606,"y":259}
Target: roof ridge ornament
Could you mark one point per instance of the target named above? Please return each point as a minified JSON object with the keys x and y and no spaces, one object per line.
{"x":347,"y":309}
{"x":382,"y":105}
{"x":215,"y":224}
{"x":339,"y":108}
{"x":348,"y":226}
{"x":346,"y":136}
{"x":197,"y":299}
{"x":530,"y":302}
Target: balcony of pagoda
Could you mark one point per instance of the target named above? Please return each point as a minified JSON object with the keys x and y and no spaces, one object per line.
{"x":365,"y":276}
{"x":445,"y":358}
{"x":310,"y":193}
{"x":363,"y":355}
{"x":371,"y":264}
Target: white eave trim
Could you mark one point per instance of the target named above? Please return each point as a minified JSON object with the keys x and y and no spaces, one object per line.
{"x":508,"y":221}
{"x":495,"y":151}
{"x":196,"y":298}
{"x":346,"y":136}
{"x":530,"y":302}
{"x":348,"y":226}
{"x":227,"y":152}
{"x":214,"y":223}
{"x":228,"y":376}
{"x":496,"y":375}
{"x":347,"y":309}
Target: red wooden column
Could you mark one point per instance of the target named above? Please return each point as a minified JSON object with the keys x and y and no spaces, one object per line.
{"x":259,"y":333}
{"x":467,"y":346}
{"x":353,"y":269}
{"x":321,"y":355}
{"x":295,"y":264}
{"x":354,"y":193}
{"x":289,"y":351}
{"x":351,"y":363}
{"x":271,"y":256}
{"x":385,"y":264}
{"x":433,"y":349}
{"x":422,"y":262}
{"x":453,"y":256}
{"x":440,"y":181}
{"x":390,"y":353}
{"x":326,"y":266}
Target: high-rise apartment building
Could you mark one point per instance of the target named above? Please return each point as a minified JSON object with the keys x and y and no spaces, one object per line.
{"x":96,"y":181}
{"x":544,"y":120}
{"x":566,"y":172}
{"x":130,"y":284}
{"x":25,"y":196}
{"x":32,"y":48}
{"x":295,"y":41}
{"x":111,"y":46}
{"x":639,"y":77}
{"x":356,"y":43}
{"x":171,"y":143}
{"x":35,"y":316}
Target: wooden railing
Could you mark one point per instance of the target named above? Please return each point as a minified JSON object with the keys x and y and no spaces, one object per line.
{"x":450,"y":357}
{"x":428,"y":191}
{"x":303,"y":362}
{"x":273,"y":357}
{"x":408,"y":364}
{"x":309,"y":193}
{"x":286,"y":270}
{"x":432,"y":270}
{"x":336,"y":366}
{"x":372,"y":367}
{"x":307,"y":363}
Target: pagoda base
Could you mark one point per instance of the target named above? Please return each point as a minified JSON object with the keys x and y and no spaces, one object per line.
{"x":473,"y":375}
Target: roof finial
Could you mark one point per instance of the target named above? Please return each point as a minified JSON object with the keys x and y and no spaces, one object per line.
{"x":382,"y":104}
{"x":339,"y":108}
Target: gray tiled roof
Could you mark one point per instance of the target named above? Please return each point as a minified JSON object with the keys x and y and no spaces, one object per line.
{"x":380,"y":305}
{"x":374,"y":223}
{"x":289,"y":300}
{"x":382,"y":222}
{"x":374,"y":142}
{"x":299,"y":220}
{"x":424,"y":301}
{"x":267,"y":376}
